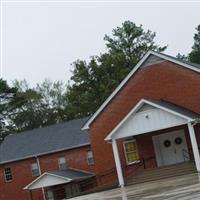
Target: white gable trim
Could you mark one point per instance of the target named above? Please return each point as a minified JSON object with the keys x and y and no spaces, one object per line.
{"x":87,"y":125}
{"x":29,"y":186}
{"x":136,"y":108}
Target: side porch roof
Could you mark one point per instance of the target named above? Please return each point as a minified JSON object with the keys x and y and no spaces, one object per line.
{"x":57,"y":177}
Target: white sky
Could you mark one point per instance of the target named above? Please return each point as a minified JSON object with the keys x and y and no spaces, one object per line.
{"x":41,"y":40}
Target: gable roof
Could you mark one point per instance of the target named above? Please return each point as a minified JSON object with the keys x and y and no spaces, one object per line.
{"x":40,"y":141}
{"x":174,"y":109}
{"x":73,"y":174}
{"x":186,"y":64}
{"x":65,"y":176}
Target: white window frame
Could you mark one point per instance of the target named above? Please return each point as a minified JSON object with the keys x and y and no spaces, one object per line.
{"x":61,"y":164}
{"x":49,"y":195}
{"x":125,"y":153}
{"x":5,"y":175}
{"x":34,"y":169}
{"x":90,"y":155}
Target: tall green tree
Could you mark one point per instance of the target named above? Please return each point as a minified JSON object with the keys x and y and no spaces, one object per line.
{"x":194,"y":55}
{"x":6,"y":95}
{"x":37,"y":107}
{"x":132,"y":42}
{"x":92,"y":82}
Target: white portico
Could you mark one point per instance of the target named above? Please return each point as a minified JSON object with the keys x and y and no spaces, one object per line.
{"x":153,"y":115}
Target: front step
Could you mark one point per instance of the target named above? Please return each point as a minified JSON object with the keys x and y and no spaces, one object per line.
{"x":161,"y":173}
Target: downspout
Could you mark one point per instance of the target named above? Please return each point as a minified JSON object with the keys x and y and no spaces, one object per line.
{"x":39,"y":168}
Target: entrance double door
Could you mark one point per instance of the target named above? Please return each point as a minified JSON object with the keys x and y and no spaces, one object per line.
{"x":169,"y":147}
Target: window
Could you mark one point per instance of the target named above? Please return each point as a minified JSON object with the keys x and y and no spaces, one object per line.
{"x":49,"y":195}
{"x":90,"y":158}
{"x":131,"y":151}
{"x":8,"y":174}
{"x":61,"y":163}
{"x":35,"y":169}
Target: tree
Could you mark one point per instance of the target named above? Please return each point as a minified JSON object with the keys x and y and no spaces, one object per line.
{"x":53,"y":95}
{"x":37,"y":107}
{"x":6,"y":94}
{"x":182,"y":57}
{"x":132,"y":42}
{"x":194,"y":55}
{"x":92,"y":82}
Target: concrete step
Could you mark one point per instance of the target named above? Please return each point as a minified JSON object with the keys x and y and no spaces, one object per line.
{"x":161,"y":173}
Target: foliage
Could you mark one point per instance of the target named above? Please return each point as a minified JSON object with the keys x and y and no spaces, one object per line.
{"x":92,"y":82}
{"x":182,"y":57}
{"x":194,"y":55}
{"x":36,"y":107}
{"x":6,"y":94}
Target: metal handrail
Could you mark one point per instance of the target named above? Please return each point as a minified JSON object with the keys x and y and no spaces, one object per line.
{"x":111,"y":171}
{"x":188,"y":154}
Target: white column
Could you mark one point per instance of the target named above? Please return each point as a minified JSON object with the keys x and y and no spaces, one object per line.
{"x":118,"y":163}
{"x":194,"y":146}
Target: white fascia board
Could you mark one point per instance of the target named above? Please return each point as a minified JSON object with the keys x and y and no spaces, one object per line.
{"x":45,"y":174}
{"x":134,"y":110}
{"x":29,"y":185}
{"x":87,"y":125}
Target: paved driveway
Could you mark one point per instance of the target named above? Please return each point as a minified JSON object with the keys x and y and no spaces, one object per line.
{"x":185,"y":187}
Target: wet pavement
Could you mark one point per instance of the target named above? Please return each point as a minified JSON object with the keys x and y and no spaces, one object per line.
{"x":185,"y":187}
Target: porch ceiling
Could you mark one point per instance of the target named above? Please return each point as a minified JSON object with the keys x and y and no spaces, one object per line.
{"x":157,"y":115}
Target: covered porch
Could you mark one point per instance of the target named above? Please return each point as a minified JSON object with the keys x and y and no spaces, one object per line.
{"x":61,"y":184}
{"x":158,"y":131}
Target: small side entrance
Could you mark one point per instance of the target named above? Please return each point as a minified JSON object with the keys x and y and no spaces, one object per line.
{"x":169,"y":147}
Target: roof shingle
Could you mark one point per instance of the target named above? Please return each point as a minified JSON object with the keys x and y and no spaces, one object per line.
{"x":45,"y":140}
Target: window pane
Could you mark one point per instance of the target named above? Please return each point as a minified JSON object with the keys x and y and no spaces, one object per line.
{"x":131,"y":151}
{"x":61,"y":160}
{"x":131,"y":157}
{"x":34,"y":166}
{"x":61,"y":163}
{"x":35,"y":169}
{"x":90,"y":158}
{"x":50,"y":195}
{"x":130,"y":146}
{"x":8,"y":174}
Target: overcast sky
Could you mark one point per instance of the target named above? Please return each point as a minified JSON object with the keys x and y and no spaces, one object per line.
{"x":41,"y":40}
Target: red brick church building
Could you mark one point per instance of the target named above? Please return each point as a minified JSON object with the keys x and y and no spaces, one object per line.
{"x":151,"y":120}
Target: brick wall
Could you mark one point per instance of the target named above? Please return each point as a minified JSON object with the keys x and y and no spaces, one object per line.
{"x":22,"y":176}
{"x":160,"y":81}
{"x":164,"y":80}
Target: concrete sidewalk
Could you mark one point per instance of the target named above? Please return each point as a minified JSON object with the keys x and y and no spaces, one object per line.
{"x":185,"y":187}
